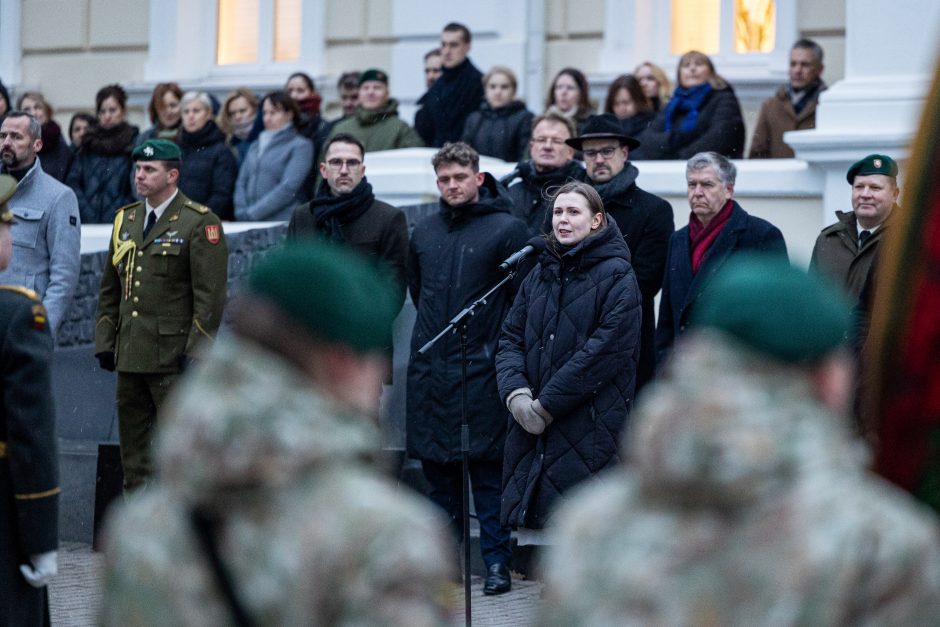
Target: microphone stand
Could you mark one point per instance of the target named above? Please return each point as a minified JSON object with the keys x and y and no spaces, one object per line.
{"x":459,"y":325}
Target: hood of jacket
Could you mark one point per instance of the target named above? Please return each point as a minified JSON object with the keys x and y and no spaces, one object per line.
{"x":493,"y":199}
{"x":246,"y":419}
{"x":374,"y":116}
{"x":606,"y":244}
{"x":726,"y":427}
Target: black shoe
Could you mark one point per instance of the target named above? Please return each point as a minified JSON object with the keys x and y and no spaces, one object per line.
{"x":498,"y":580}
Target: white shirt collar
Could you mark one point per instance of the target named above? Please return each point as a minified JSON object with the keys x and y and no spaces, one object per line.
{"x":159,"y":209}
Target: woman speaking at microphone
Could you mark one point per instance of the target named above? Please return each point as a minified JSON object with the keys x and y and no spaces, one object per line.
{"x":566,"y":365}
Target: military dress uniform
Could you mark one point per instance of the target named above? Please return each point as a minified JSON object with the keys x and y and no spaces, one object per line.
{"x":29,"y":481}
{"x":161,"y":294}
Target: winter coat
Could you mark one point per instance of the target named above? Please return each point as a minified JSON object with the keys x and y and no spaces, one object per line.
{"x":777,"y":116}
{"x":306,"y":523}
{"x":502,"y":133}
{"x":838,"y":256}
{"x":101,"y":173}
{"x":381,"y":129}
{"x":448,"y":103}
{"x":55,"y":155}
{"x":681,"y":289}
{"x":270,"y":185}
{"x":646,"y":221}
{"x":530,"y":191}
{"x":572,"y":336}
{"x":719,"y":128}
{"x":208,"y":169}
{"x":453,"y":260}
{"x":745,"y":502}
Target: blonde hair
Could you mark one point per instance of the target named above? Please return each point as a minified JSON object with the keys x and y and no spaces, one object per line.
{"x":505,"y":71}
{"x":665,"y":85}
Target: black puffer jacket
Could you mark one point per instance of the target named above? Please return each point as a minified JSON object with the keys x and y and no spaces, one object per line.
{"x":531,"y":190}
{"x":502,"y":133}
{"x":101,"y":176}
{"x":720,"y":128}
{"x":453,"y":260}
{"x":572,"y":337}
{"x":208,"y":169}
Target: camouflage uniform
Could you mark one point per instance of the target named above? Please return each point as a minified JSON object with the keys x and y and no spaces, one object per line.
{"x":311,"y":533}
{"x":745,"y":504}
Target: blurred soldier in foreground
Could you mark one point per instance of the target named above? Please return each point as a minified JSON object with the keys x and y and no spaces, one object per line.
{"x":29,"y":481}
{"x":745,"y":502}
{"x":268,"y":508}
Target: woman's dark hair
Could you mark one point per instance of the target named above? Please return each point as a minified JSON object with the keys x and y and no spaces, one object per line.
{"x":280,"y":100}
{"x":584,"y":103}
{"x":628,"y":82}
{"x":87,"y":117}
{"x":111,"y":91}
{"x":156,"y":99}
{"x":302,"y":76}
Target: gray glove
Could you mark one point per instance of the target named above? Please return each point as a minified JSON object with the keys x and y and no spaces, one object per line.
{"x":541,"y":411}
{"x":42,"y":569}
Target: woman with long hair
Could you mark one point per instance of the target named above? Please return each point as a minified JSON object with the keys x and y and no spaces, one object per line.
{"x":626,"y":100}
{"x":569,"y":96}
{"x":55,"y":155}
{"x":656,"y":85}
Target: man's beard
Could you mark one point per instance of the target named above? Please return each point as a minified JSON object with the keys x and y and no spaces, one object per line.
{"x":10,"y":161}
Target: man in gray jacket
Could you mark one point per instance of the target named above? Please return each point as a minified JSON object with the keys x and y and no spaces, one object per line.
{"x":47,"y":234}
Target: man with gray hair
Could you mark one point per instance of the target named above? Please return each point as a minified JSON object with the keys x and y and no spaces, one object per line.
{"x":47,"y":234}
{"x":718,"y":229}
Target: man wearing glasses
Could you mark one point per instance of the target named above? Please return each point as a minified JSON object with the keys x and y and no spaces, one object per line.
{"x":552,"y":165}
{"x":646,"y":220}
{"x":345,"y":210}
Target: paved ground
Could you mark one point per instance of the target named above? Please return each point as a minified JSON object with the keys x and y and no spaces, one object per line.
{"x":76,"y":593}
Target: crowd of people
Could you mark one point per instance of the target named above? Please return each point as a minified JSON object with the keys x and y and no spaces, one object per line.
{"x":744,"y":379}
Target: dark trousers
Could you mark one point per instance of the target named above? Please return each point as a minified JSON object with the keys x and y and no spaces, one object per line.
{"x":139,"y":397}
{"x":486,"y":482}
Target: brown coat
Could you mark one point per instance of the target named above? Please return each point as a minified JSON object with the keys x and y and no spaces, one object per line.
{"x":777,"y":116}
{"x":837,"y":255}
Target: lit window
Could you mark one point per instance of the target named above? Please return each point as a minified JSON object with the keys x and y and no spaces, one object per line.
{"x":696,"y":25}
{"x":754,"y":25}
{"x":258,"y":31}
{"x":238,"y":32}
{"x":286,"y":30}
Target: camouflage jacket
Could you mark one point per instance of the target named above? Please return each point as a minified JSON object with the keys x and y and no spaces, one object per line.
{"x":311,"y":533}
{"x":744,"y":503}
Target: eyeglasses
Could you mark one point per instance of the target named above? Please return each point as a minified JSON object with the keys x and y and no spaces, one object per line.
{"x":554,"y":141}
{"x":606,"y":153}
{"x":337,"y":164}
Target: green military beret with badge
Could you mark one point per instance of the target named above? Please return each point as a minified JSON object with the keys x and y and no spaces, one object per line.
{"x":774,"y":308}
{"x":373,"y":74}
{"x":7,"y":189}
{"x":334,"y":293}
{"x":157,"y":150}
{"x":872,"y":164}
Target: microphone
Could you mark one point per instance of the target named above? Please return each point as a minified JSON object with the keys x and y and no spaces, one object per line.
{"x":535,"y":245}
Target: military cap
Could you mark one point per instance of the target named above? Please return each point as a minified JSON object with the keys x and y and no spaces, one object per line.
{"x":776,"y":309}
{"x":873,"y":164}
{"x":157,"y":150}
{"x":7,"y":189}
{"x":604,"y":126}
{"x":331,"y":291}
{"x":373,"y":74}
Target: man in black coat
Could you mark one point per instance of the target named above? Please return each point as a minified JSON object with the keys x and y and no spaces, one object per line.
{"x":644,"y":219}
{"x":29,"y":473}
{"x":453,"y":260}
{"x":346,"y":210}
{"x":718,"y":229}
{"x":552,"y":165}
{"x":455,"y":95}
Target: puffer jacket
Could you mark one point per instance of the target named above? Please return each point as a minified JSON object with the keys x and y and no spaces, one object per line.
{"x":208,"y":169}
{"x":573,"y":338}
{"x":502,"y":133}
{"x":101,"y":173}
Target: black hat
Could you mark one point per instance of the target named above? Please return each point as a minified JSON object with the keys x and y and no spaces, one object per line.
{"x":604,"y":126}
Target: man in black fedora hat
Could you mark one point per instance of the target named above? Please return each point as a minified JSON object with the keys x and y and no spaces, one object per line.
{"x":644,"y":219}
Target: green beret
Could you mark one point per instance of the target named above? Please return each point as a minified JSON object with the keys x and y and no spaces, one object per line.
{"x":331,"y":291}
{"x":776,"y":309}
{"x":7,"y":189}
{"x":373,"y":74}
{"x":157,"y":150}
{"x":873,"y":164}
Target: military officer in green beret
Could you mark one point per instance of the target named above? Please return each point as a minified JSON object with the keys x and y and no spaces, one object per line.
{"x":29,"y":472}
{"x":845,"y":251}
{"x":162,"y":293}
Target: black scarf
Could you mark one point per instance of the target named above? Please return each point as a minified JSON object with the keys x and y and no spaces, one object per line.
{"x":809,"y":94}
{"x":117,"y":140}
{"x":332,"y":212}
{"x":539,"y":181}
{"x":615,"y":187}
{"x":206,"y":136}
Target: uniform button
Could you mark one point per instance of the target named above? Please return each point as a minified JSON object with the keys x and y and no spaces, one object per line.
{"x":136,"y":300}
{"x":136,"y":283}
{"x":134,"y":314}
{"x":139,"y":269}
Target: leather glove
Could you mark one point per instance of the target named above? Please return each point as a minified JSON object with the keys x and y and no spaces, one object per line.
{"x":43,"y":566}
{"x":106,"y":360}
{"x":541,"y":411}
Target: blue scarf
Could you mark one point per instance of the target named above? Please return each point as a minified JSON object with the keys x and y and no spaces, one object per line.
{"x":689,"y":102}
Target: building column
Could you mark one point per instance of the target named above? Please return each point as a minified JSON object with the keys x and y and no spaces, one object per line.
{"x":10,"y":51}
{"x":890,"y":53}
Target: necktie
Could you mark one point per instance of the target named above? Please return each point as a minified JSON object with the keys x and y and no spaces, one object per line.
{"x":152,"y":219}
{"x":863,"y":237}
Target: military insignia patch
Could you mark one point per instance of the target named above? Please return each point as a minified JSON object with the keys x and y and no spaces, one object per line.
{"x":39,"y":317}
{"x":212,"y":233}
{"x":148,"y":151}
{"x":877,"y":163}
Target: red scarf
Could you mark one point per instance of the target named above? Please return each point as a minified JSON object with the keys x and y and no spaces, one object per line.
{"x":701,"y":237}
{"x":310,"y":105}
